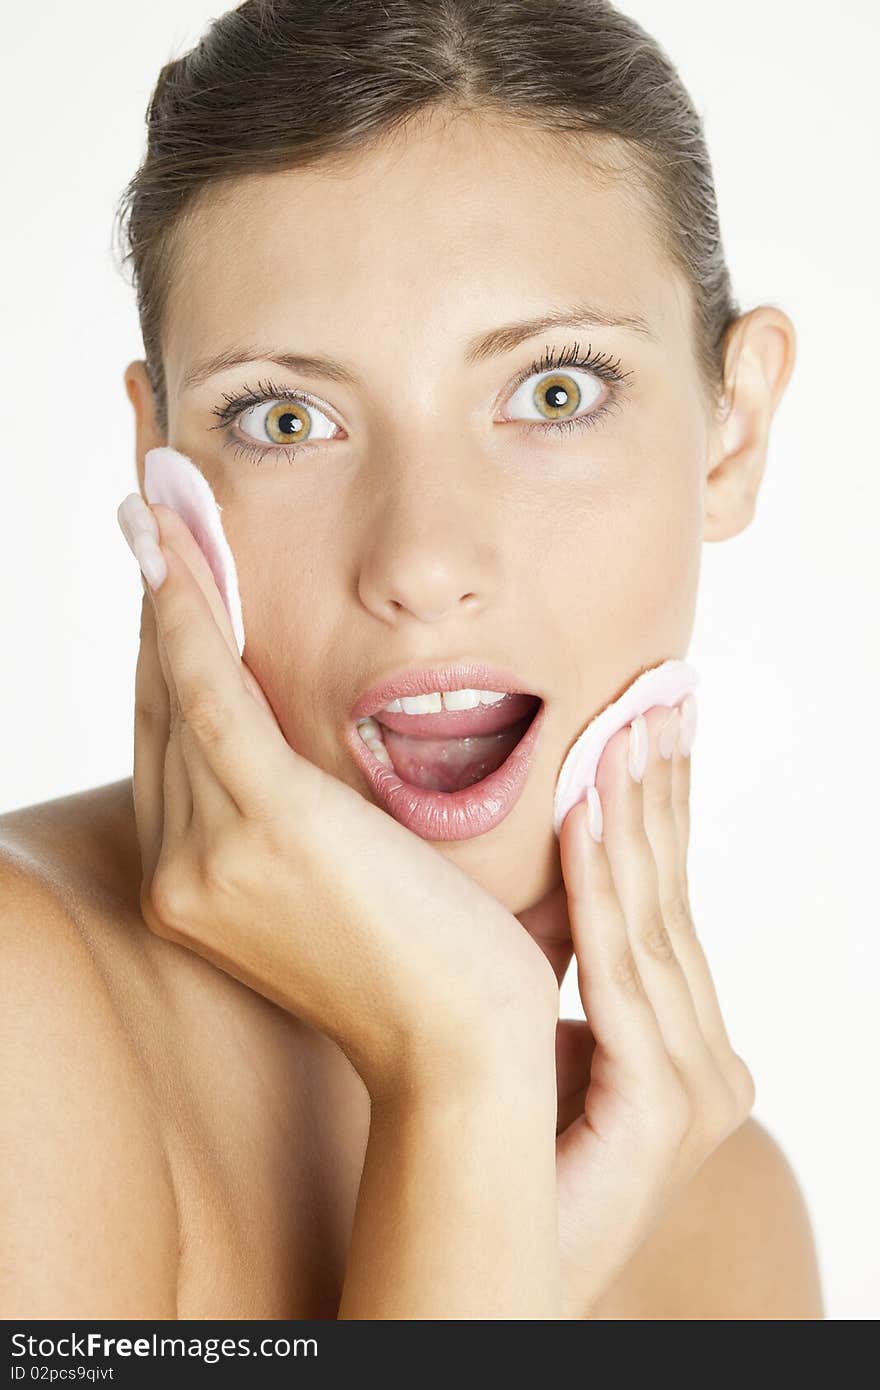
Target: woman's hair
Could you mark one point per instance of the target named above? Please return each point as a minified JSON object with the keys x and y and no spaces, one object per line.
{"x":283,"y":84}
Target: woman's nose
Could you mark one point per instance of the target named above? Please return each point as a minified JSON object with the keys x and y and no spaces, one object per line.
{"x":433,"y":559}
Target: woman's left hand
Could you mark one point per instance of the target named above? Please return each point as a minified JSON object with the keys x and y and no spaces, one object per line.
{"x":649,"y":1086}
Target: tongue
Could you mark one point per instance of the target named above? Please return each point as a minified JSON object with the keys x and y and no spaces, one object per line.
{"x":450,"y":764}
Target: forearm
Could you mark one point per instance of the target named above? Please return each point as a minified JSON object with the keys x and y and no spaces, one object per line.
{"x":456,"y":1215}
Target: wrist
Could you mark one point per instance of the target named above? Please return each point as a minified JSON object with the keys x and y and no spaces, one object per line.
{"x":498,"y":1056}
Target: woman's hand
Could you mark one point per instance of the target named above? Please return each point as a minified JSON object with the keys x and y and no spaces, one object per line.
{"x":649,"y":1086}
{"x":287,"y":878}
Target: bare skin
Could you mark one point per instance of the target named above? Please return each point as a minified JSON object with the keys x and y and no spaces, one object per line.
{"x":249,"y":1129}
{"x":253,"y":1126}
{"x":251,"y":1199}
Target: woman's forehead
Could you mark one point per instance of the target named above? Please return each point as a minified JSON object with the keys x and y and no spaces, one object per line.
{"x":450,"y":234}
{"x":464,"y":196}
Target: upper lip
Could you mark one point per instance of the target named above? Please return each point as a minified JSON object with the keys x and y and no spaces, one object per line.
{"x":422,"y":680}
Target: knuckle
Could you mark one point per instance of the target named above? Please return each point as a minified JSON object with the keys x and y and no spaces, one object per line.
{"x":281,"y":840}
{"x":716,"y":1116}
{"x":173,"y":622}
{"x":677,"y":916}
{"x":153,"y":913}
{"x":148,"y":712}
{"x":721,"y":1116}
{"x":168,"y":902}
{"x":207,"y":718}
{"x":713,"y":1123}
{"x":742,"y":1085}
{"x":625,"y":973}
{"x":655,"y":939}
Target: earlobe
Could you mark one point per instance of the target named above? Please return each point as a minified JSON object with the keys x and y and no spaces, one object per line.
{"x":758,"y":363}
{"x":147,"y":434}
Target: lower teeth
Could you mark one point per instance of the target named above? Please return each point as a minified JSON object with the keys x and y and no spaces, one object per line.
{"x":369,"y":732}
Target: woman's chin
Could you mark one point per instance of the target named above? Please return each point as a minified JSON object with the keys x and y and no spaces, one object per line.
{"x":517,"y":878}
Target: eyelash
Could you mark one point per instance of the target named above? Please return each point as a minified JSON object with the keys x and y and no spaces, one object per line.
{"x":600,"y":364}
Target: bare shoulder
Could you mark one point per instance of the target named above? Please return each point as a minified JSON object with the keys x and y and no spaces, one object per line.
{"x":737,"y":1245}
{"x":86,"y":838}
{"x":89,"y":1218}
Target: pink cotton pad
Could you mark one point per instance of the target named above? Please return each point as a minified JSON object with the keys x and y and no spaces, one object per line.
{"x":662,"y":685}
{"x":173,"y":480}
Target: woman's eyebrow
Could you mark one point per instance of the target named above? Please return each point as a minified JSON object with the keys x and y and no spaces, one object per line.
{"x":510,"y":335}
{"x":486,"y":345}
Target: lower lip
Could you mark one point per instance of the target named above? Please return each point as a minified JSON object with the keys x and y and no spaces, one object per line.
{"x":459,"y":815}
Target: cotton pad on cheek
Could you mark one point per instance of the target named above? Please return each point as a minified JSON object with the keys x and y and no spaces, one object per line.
{"x":666,"y":684}
{"x":173,"y":480}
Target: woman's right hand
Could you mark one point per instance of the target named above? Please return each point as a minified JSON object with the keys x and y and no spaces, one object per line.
{"x":287,"y":878}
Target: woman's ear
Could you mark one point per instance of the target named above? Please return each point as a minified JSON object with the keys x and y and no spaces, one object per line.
{"x":758,"y":362}
{"x":140,"y":393}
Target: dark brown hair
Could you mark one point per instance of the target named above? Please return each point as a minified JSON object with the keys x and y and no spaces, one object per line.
{"x":281,"y":84}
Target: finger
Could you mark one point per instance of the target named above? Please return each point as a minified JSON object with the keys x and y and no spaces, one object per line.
{"x":172,"y":775}
{"x":668,"y":835}
{"x":191,"y":789}
{"x":681,"y":788}
{"x":177,"y":792}
{"x":174,"y":531}
{"x":636,"y":878}
{"x":186,"y":544}
{"x":184,"y":790}
{"x":151,"y":728}
{"x":615,"y":1002}
{"x":169,"y":762}
{"x":240,"y":745}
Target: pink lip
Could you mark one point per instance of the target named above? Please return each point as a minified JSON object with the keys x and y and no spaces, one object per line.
{"x":459,"y":675}
{"x":435,"y":815}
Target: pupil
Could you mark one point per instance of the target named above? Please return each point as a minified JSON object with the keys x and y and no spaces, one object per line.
{"x":289,"y":423}
{"x":558,"y":395}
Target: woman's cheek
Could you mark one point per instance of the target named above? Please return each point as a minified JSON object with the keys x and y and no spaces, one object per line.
{"x":662,"y":577}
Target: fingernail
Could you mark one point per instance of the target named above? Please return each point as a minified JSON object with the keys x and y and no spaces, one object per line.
{"x":638,"y":747}
{"x":141,"y":531}
{"x":668,"y":735}
{"x":688,"y":732}
{"x":150,"y":559}
{"x":134,"y":516}
{"x":594,"y":813}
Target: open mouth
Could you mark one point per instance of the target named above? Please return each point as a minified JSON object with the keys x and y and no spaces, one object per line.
{"x":447,"y":766}
{"x":452,"y":749}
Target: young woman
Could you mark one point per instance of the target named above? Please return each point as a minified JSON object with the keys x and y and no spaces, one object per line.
{"x":434,"y":296}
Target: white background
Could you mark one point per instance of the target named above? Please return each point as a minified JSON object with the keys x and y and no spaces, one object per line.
{"x":785,"y":767}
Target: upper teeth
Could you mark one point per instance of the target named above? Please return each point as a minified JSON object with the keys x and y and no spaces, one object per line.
{"x":444,"y":699}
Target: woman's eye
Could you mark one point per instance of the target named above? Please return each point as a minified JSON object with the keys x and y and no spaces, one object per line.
{"x":288,"y":421}
{"x":557,"y":396}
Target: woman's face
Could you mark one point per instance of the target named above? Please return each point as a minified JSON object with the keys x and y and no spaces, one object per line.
{"x":430,"y":514}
